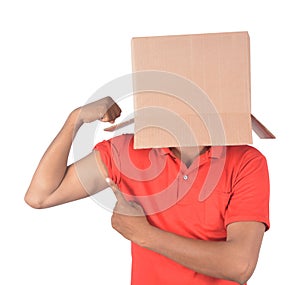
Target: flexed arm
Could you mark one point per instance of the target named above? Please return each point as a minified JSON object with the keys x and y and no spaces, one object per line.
{"x":54,"y":182}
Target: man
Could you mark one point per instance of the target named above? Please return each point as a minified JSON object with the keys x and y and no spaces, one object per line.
{"x":177,"y":236}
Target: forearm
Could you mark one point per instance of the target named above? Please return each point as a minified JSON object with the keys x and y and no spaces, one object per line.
{"x":53,"y":165}
{"x":216,"y":259}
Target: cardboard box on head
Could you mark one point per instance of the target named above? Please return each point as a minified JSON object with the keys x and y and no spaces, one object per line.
{"x":193,"y":90}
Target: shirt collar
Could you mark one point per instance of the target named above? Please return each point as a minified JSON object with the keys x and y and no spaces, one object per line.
{"x":166,"y":151}
{"x":217,"y":151}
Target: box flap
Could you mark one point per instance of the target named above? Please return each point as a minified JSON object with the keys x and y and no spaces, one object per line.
{"x":260,"y":129}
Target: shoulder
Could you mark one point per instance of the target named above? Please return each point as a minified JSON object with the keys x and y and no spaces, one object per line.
{"x":243,"y":152}
{"x":122,"y":144}
{"x":239,"y":157}
{"x":117,"y":142}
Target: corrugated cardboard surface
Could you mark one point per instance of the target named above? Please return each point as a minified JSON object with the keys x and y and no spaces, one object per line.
{"x":219,"y":65}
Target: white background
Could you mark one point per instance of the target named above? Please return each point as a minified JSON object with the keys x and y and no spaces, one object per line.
{"x":55,"y":54}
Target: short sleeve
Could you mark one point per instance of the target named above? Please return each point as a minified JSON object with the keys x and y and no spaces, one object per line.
{"x":250,"y":191}
{"x":110,"y":156}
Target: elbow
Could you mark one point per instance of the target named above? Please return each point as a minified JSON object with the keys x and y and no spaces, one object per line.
{"x":33,"y":201}
{"x":243,"y":272}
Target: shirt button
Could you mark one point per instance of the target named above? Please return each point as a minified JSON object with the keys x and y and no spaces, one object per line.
{"x":185,"y":177}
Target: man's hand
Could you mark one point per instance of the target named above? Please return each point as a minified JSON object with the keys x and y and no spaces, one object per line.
{"x":105,"y":110}
{"x":129,"y":218}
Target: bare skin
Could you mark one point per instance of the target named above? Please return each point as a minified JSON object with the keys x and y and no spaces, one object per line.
{"x":55,"y":183}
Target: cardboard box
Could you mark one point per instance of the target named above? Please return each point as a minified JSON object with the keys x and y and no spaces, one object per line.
{"x":193,"y":90}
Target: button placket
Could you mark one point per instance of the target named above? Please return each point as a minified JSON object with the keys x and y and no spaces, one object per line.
{"x":184,"y":184}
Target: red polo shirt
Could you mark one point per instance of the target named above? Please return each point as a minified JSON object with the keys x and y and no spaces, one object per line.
{"x":221,"y":186}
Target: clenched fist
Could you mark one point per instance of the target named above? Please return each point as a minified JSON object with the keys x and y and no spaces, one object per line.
{"x":105,"y":110}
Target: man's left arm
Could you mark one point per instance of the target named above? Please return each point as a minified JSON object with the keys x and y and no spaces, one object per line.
{"x":234,"y":259}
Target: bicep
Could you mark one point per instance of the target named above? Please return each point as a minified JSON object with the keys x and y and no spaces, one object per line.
{"x":84,"y":178}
